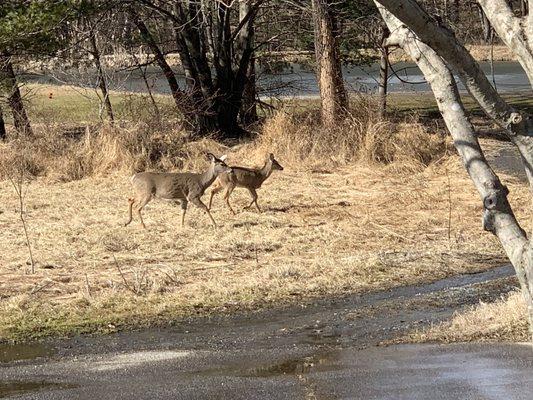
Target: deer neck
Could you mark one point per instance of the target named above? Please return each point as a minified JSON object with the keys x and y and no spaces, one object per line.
{"x":266,"y":170}
{"x":208,"y":176}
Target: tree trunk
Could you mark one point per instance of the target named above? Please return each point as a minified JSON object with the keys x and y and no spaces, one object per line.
{"x":498,"y":217}
{"x":515,"y":32}
{"x":329,"y":68}
{"x":183,"y":101}
{"x":95,"y":52}
{"x":383,"y":74}
{"x":215,"y":56}
{"x":248,"y":112}
{"x":485,"y":25}
{"x":20,"y":118}
{"x":3,"y":133}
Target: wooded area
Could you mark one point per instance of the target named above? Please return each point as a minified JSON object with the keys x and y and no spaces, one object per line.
{"x":220,"y":46}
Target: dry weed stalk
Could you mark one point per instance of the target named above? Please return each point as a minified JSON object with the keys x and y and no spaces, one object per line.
{"x":140,"y":284}
{"x":17,"y":177}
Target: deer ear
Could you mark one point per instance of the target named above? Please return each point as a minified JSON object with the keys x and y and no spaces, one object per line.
{"x":223,"y":157}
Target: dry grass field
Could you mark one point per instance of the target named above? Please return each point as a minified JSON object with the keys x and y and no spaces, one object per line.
{"x":376,"y":206}
{"x":352,"y":229}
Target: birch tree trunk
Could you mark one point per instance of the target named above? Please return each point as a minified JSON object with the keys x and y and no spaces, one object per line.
{"x":433,"y":48}
{"x":515,"y":32}
{"x":485,"y":26}
{"x":329,"y":73}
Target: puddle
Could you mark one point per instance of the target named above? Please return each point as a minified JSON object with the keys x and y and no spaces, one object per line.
{"x":15,"y":388}
{"x":18,"y":352}
{"x":289,"y":367}
{"x":296,"y":366}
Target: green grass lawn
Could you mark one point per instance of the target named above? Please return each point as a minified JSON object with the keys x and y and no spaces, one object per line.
{"x":73,"y":105}
{"x":69,"y":104}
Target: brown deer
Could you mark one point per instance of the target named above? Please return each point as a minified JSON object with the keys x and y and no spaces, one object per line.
{"x":181,"y":187}
{"x":248,"y":178}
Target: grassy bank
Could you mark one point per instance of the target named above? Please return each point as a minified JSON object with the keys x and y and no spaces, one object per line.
{"x":366,"y":207}
{"x":504,"y":320}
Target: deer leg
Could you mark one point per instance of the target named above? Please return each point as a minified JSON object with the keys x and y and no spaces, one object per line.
{"x":253,"y":193}
{"x":183,"y":211}
{"x":198,"y":203}
{"x":216,"y":188}
{"x":131,"y":201}
{"x":227,"y":194}
{"x":140,"y":206}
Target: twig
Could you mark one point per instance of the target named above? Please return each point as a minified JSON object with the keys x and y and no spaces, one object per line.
{"x":37,"y":288}
{"x":87,"y":287}
{"x":126,"y":284}
{"x":19,"y":190}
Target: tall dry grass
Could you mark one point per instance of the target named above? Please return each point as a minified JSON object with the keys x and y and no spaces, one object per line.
{"x":297,"y":139}
{"x":62,"y":156}
{"x":503,"y":320}
{"x":302,"y":143}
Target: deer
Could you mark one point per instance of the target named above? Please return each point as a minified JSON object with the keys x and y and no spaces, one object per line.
{"x":182,"y":187}
{"x":248,"y":178}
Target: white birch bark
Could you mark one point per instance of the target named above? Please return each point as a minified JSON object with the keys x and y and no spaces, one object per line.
{"x":498,"y":216}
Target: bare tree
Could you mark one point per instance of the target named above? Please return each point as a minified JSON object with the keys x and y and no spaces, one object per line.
{"x":329,"y":67}
{"x":498,"y":216}
{"x":8,"y":80}
{"x":215,"y":46}
{"x":102,"y":82}
{"x":20,"y":183}
{"x":515,"y":32}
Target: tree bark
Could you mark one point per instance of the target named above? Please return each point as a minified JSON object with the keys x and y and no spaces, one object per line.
{"x":14,"y":99}
{"x":3,"y":133}
{"x":102,"y":84}
{"x":383,"y":73}
{"x":329,"y":68}
{"x":181,"y":99}
{"x":515,"y":32}
{"x":485,"y":26}
{"x":437,"y":48}
{"x":248,"y":112}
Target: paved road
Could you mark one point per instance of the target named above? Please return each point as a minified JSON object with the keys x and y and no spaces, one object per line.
{"x":321,"y":351}
{"x":400,"y":372}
